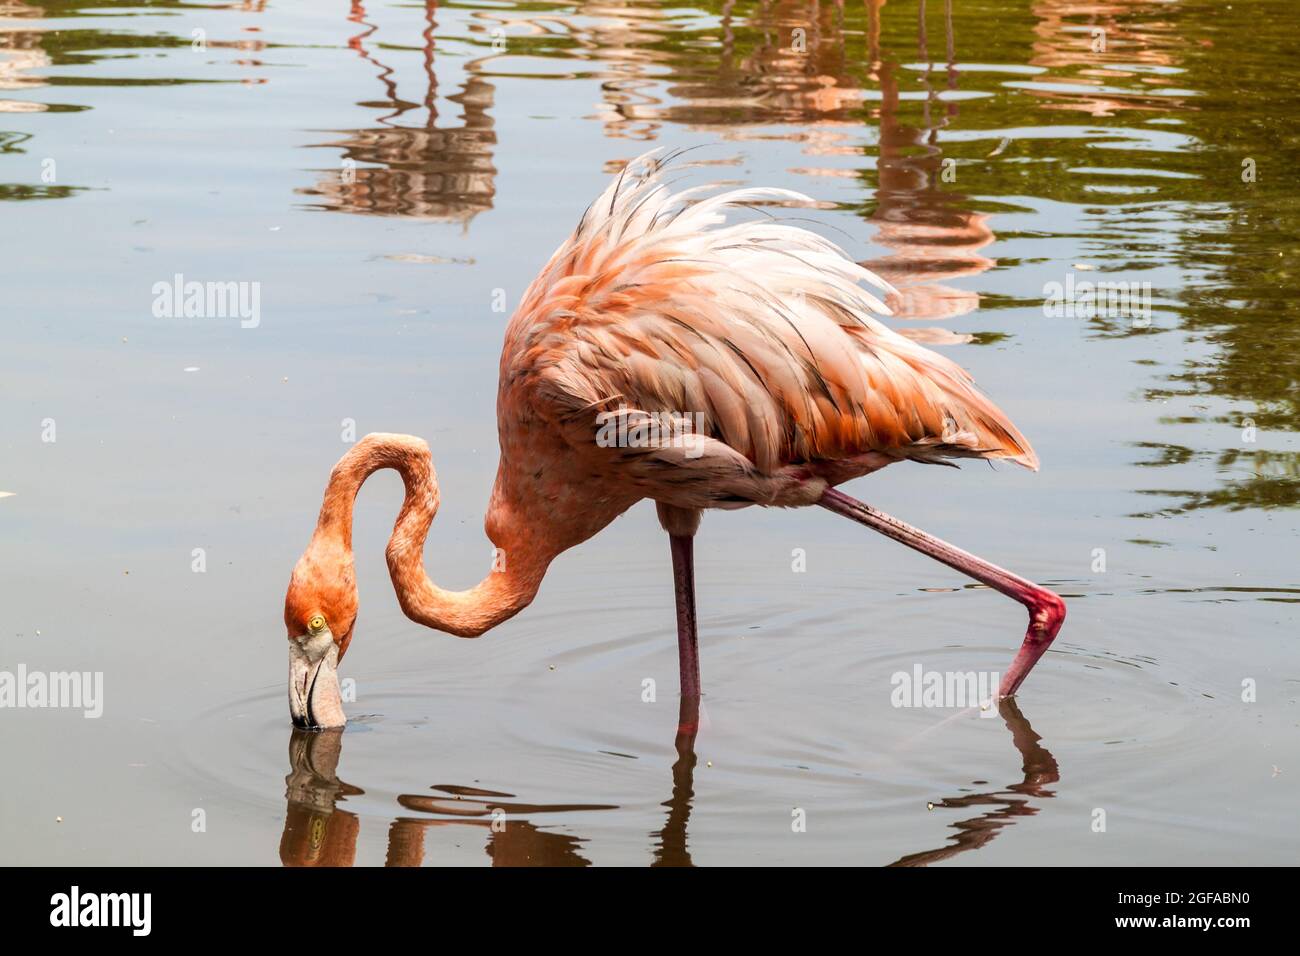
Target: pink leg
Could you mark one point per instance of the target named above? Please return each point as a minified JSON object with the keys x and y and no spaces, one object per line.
{"x":688,"y":653}
{"x":1046,"y":610}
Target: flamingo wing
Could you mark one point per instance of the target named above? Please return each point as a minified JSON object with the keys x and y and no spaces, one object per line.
{"x":759,"y":334}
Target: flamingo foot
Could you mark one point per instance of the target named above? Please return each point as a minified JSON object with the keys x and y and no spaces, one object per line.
{"x":1046,"y":615}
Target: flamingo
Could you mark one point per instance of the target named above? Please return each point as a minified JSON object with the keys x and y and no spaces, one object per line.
{"x":664,"y":354}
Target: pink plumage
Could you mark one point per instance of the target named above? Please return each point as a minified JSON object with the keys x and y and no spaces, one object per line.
{"x":664,"y":354}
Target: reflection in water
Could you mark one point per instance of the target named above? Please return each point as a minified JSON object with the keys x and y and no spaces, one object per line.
{"x":1250,"y":479}
{"x":932,"y":235}
{"x":1151,"y":182}
{"x":795,"y":64}
{"x":23,"y":31}
{"x":670,"y":848}
{"x":427,"y":172}
{"x":318,"y":831}
{"x":20,"y":54}
{"x":714,"y":84}
{"x":1144,"y":196}
{"x":512,"y":840}
{"x":1009,"y":804}
{"x":1111,"y":52}
{"x":628,"y":35}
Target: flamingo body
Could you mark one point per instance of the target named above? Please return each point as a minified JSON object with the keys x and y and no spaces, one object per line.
{"x":749,"y":358}
{"x":760,"y":329}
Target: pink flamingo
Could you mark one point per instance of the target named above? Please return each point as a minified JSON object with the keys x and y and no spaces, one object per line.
{"x":658,"y":357}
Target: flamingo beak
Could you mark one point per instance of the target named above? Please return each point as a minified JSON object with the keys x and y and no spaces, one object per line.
{"x":315,"y":702}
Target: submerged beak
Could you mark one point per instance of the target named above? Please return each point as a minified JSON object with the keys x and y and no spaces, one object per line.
{"x":315,"y":702}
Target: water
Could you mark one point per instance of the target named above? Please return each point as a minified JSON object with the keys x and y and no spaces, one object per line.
{"x":382,"y":170}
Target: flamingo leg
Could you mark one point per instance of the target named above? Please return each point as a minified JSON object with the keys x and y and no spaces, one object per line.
{"x":1046,"y":609}
{"x":688,"y":652}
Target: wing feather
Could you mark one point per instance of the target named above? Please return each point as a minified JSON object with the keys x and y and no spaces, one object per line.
{"x":761,"y":328}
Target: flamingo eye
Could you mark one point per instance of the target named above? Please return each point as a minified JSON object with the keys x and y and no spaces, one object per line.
{"x":316,"y":624}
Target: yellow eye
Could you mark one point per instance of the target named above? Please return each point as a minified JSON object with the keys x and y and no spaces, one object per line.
{"x":316,"y":624}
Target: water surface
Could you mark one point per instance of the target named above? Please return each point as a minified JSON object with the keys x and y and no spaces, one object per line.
{"x":388,"y":171}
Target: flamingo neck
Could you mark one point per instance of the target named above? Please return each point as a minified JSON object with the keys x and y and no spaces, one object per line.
{"x":510,"y":584}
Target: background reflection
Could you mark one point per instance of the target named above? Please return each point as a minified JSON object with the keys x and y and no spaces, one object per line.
{"x":442,"y":173}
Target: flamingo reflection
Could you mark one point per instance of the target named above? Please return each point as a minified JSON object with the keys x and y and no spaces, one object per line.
{"x":319,"y":831}
{"x":930,"y":233}
{"x":1009,"y":805}
{"x":671,"y":848}
{"x":22,"y":28}
{"x":437,"y":172}
{"x":1104,"y":57}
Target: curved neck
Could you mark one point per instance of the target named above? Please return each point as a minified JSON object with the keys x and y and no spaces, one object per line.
{"x":510,"y":584}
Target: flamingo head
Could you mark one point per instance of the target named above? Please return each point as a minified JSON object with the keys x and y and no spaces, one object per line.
{"x":320,"y":610}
